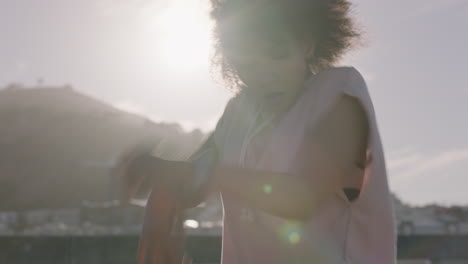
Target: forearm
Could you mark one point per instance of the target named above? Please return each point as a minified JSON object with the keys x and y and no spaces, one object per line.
{"x":279,"y":194}
{"x":183,"y":174}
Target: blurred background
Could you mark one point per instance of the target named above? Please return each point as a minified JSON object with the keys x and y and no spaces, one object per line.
{"x":81,"y":81}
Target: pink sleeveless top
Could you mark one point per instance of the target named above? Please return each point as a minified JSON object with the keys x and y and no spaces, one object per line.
{"x":361,"y":232}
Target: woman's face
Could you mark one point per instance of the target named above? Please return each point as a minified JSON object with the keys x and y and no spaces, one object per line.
{"x":272,"y":65}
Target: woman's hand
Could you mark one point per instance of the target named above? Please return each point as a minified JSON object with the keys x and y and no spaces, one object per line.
{"x":137,"y":171}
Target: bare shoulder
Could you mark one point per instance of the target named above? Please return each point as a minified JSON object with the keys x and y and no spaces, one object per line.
{"x":343,"y":132}
{"x":348,"y":112}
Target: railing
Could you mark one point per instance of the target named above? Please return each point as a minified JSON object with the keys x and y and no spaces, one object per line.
{"x":204,"y":249}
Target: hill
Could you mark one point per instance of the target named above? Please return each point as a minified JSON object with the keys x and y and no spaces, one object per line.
{"x":57,"y":146}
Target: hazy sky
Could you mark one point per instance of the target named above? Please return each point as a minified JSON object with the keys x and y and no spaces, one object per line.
{"x":151,"y":57}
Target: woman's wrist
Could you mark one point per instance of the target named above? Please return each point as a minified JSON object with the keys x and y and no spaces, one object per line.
{"x":174,"y":173}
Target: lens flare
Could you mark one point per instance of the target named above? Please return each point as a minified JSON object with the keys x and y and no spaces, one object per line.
{"x":294,"y":237}
{"x":267,"y":189}
{"x":291,"y":232}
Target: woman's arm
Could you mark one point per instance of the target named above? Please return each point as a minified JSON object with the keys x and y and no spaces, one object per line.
{"x":331,"y":151}
{"x":276,"y":193}
{"x":329,"y":157}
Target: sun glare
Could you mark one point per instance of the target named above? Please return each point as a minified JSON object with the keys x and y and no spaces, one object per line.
{"x":183,"y":38}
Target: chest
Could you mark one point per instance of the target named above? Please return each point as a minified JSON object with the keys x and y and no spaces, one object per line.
{"x":256,"y":144}
{"x":264,"y":143}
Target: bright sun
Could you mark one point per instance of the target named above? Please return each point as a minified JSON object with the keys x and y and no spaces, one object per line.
{"x":184,"y":39}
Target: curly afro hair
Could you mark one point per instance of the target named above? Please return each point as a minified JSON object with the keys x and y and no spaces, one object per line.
{"x":327,"y":22}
